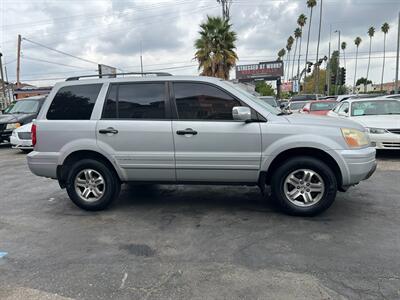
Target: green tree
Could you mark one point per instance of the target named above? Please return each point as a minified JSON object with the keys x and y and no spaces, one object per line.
{"x":310,"y":5}
{"x":343,"y":46}
{"x":264,"y":89}
{"x":357,"y":42}
{"x":297,"y":35}
{"x":215,"y":48}
{"x":371,"y":32}
{"x":281,"y":53}
{"x":289,"y":46}
{"x":363,"y":81}
{"x":385,"y":29}
{"x":301,"y":21}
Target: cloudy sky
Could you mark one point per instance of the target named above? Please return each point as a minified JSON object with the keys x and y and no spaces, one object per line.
{"x":113,"y":31}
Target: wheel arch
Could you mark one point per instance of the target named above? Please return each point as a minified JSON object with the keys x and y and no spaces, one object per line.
{"x":265,"y":176}
{"x":71,"y":158}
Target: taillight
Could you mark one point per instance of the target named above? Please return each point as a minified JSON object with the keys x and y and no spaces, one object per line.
{"x":33,"y":130}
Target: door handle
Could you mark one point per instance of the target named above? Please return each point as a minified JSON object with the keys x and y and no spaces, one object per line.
{"x":108,"y":130}
{"x":186,"y":131}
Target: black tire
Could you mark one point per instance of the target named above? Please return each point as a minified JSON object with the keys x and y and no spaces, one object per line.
{"x":303,"y":162}
{"x":112,"y":185}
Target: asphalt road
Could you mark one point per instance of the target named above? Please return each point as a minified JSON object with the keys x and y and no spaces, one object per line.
{"x":181,"y":242}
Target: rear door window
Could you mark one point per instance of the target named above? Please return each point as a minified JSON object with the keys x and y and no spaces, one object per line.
{"x":135,"y":101}
{"x":74,"y":102}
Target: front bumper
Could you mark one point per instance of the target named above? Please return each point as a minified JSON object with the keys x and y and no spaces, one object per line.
{"x":388,"y":141}
{"x":358,"y":165}
{"x":5,"y":136}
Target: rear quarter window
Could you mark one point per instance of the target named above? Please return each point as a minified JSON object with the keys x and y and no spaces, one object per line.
{"x":74,"y":102}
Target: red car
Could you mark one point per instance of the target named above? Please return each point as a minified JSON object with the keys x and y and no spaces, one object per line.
{"x":319,"y":107}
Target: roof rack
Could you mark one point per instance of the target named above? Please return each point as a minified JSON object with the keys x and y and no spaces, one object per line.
{"x":116,"y":74}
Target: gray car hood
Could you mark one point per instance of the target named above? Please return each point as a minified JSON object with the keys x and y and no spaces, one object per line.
{"x":303,"y":119}
{"x":12,"y":118}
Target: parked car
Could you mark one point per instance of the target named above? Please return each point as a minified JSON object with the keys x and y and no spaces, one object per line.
{"x":21,"y":138}
{"x":319,"y":107}
{"x":381,"y":117}
{"x":271,"y":100}
{"x":94,"y":134}
{"x":20,"y":113}
{"x":296,"y":106}
{"x":305,"y":97}
{"x":341,"y":98}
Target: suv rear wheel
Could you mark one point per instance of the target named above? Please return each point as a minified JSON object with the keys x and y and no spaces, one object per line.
{"x":91,"y":185}
{"x":303,"y":186}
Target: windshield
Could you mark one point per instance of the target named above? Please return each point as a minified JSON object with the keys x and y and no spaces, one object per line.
{"x":270,"y":101}
{"x":297,"y":105}
{"x":253,"y":98}
{"x":304,"y":97}
{"x":24,"y":107}
{"x":378,"y":107}
{"x":318,"y":106}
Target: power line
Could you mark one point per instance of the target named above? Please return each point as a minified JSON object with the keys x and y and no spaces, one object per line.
{"x":51,"y":62}
{"x":59,"y":51}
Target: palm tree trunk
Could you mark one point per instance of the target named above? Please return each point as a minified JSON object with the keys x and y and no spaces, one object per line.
{"x":287,"y":65}
{"x":308,"y":41}
{"x":355,"y":72}
{"x":369,"y":60}
{"x":298,"y":62}
{"x":294,"y":57}
{"x":344,"y":58}
{"x":384,"y":56}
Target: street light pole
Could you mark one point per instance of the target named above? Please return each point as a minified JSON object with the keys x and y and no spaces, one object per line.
{"x":397,"y":58}
{"x":338,"y":64}
{"x":316,"y":78}
{"x":328,"y":71}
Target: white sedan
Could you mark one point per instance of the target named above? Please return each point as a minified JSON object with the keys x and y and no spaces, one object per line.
{"x":21,"y":138}
{"x":381,"y":117}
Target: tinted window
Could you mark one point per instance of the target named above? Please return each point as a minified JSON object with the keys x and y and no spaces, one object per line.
{"x":317,"y":106}
{"x":74,"y":102}
{"x":197,"y":101}
{"x":136,"y":101}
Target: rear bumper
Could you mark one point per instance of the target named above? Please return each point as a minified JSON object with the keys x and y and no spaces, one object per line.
{"x":359,"y":164}
{"x":43,"y":163}
{"x":20,"y":144}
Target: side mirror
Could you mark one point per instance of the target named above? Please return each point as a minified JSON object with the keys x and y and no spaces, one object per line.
{"x":282,"y":105}
{"x":305,"y":109}
{"x":241,"y":113}
{"x":346,"y":111}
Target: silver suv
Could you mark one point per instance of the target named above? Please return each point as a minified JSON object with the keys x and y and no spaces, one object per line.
{"x":94,"y":134}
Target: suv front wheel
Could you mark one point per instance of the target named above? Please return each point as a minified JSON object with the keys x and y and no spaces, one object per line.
{"x":303,"y":186}
{"x":91,"y":185}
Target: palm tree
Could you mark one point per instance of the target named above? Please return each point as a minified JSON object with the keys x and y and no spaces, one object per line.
{"x":310,"y":4}
{"x":343,"y":46}
{"x":385,"y":29}
{"x":281,"y":53}
{"x":297,"y":35}
{"x":301,"y":21}
{"x":371,"y":32}
{"x":215,"y":48}
{"x":289,"y":46}
{"x":357,"y":42}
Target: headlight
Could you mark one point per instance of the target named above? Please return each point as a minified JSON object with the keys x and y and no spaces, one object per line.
{"x":355,"y":138}
{"x":13,"y":125}
{"x":376,"y":130}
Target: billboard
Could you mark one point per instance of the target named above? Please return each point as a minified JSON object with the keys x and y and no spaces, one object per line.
{"x":107,"y":70}
{"x":263,"y":70}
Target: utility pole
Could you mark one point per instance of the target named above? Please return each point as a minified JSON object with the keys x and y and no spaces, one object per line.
{"x":18,"y":60}
{"x":316,"y":78}
{"x":3,"y":86}
{"x":141,"y":58}
{"x":11,"y":98}
{"x":338,"y":64}
{"x":396,"y":89}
